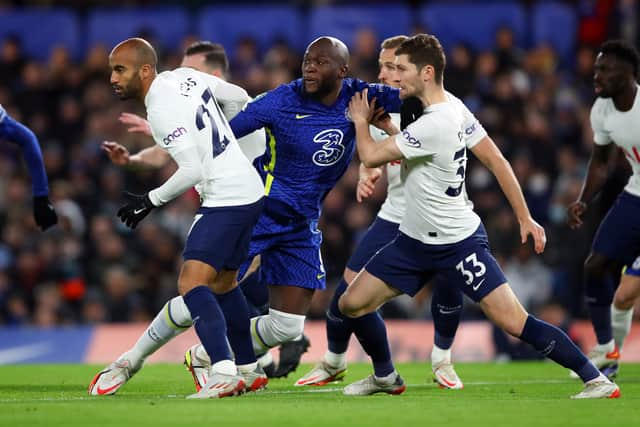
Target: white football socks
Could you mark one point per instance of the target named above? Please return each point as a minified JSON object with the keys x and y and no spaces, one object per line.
{"x":440,"y":356}
{"x":336,"y":360}
{"x":171,"y":321}
{"x":621,"y":324}
{"x":274,"y":329}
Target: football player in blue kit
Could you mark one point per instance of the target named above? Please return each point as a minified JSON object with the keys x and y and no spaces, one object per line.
{"x":440,"y":232}
{"x":311,"y":141}
{"x":446,"y":302}
{"x":14,"y":131}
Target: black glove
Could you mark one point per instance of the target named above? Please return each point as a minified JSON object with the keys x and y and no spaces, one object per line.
{"x":133,"y":212}
{"x":43,"y":212}
{"x":410,"y":110}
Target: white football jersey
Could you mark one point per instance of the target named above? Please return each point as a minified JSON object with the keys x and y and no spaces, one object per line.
{"x":433,"y":170}
{"x":187,"y":121}
{"x":394,"y":205}
{"x":623,"y":129}
{"x":3,"y":113}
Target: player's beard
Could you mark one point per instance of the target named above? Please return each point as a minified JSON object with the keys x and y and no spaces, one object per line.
{"x":132,"y":90}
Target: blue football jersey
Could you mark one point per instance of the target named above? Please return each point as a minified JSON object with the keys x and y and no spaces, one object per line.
{"x":310,"y":145}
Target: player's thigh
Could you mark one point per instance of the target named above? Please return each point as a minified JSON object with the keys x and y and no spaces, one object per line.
{"x":224,"y":282}
{"x":290,"y":299}
{"x":195,"y":273}
{"x":502,"y":307}
{"x":379,"y":234}
{"x":365,"y":294}
{"x":629,"y":289}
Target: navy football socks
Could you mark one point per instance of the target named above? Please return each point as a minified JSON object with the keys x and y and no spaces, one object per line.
{"x":446,"y":306}
{"x":209,"y":323}
{"x":256,"y":294}
{"x":551,"y":342}
{"x":599,"y":295}
{"x":236,"y":313}
{"x":338,"y":325}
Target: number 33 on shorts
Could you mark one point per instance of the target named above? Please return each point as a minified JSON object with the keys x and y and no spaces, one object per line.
{"x":471,"y":269}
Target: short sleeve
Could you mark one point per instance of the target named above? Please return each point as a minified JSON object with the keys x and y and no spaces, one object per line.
{"x":231,"y":98}
{"x":418,"y":139}
{"x":600,"y":135}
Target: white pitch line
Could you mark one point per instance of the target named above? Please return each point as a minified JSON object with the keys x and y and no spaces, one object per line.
{"x":300,"y":390}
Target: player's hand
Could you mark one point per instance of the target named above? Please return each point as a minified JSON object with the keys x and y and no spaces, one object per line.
{"x":359,"y":108}
{"x":382,"y":120}
{"x":530,"y":227}
{"x":367,"y":182}
{"x":135,"y":123}
{"x":136,"y":210}
{"x":44,"y":213}
{"x":118,"y":153}
{"x":574,"y":214}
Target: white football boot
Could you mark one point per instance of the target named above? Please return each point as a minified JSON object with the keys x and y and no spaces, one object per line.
{"x":322,"y":374}
{"x":372,"y":384}
{"x":446,"y":377}
{"x":113,"y":377}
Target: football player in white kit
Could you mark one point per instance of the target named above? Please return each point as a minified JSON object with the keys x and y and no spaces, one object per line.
{"x":439,"y":232}
{"x":615,"y":119}
{"x":174,"y":318}
{"x":187,"y":121}
{"x":446,"y":301}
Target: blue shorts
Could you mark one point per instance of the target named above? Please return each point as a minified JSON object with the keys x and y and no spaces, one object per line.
{"x":379,"y":234}
{"x":289,"y":253}
{"x":220,"y":236}
{"x":633,"y":269}
{"x":618,"y":236}
{"x":407,"y":264}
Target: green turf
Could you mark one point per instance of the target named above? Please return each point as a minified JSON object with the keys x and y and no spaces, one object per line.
{"x":514,"y":394}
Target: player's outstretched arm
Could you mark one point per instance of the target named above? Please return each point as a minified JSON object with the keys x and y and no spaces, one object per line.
{"x":489,"y":154}
{"x":153,"y":157}
{"x":135,"y":123}
{"x":593,"y":182}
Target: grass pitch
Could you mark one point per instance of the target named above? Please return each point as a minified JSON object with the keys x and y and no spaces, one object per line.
{"x":514,"y":394}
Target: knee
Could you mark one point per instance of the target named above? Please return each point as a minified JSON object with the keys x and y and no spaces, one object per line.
{"x":348,"y":308}
{"x":623,"y":300}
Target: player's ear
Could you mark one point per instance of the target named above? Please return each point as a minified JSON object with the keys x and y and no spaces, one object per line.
{"x":145,"y":71}
{"x":342,"y":72}
{"x":427,"y":73}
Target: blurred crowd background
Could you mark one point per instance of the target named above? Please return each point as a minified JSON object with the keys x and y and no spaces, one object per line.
{"x":532,"y":96}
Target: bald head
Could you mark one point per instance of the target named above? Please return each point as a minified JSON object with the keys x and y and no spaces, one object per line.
{"x":133,"y":68}
{"x":139,"y":49}
{"x":335,"y":47}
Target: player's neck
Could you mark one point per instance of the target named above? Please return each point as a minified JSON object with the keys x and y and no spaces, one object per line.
{"x":329,"y":98}
{"x":433,"y":94}
{"x":146,"y":85}
{"x":624,"y":101}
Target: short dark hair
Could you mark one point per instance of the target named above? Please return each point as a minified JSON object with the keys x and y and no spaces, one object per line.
{"x":215,"y":55}
{"x":623,"y":51}
{"x":393,"y":42}
{"x":425,"y":49}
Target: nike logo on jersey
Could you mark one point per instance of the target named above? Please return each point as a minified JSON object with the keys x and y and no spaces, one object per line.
{"x":139,"y":211}
{"x":475,"y":288}
{"x":302,"y":116}
{"x":320,"y":276}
